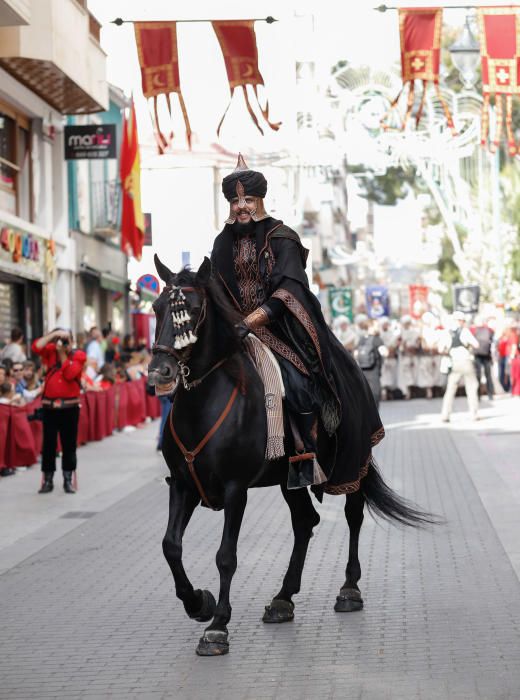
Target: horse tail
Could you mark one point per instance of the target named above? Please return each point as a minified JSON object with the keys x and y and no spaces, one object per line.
{"x":384,"y":502}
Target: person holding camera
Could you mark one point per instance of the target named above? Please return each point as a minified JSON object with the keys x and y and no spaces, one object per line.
{"x":60,"y":405}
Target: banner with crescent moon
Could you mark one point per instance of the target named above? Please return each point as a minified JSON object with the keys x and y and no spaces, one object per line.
{"x":237,"y":41}
{"x":500,"y":57}
{"x":159,"y":61}
{"x":420,"y":33}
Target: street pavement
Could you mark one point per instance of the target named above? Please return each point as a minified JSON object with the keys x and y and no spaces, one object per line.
{"x":88,"y":610}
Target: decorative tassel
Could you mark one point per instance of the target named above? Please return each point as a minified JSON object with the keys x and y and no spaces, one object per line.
{"x":409,"y":105}
{"x":513,"y":150}
{"x":484,"y":120}
{"x":499,"y":119}
{"x":447,"y":113}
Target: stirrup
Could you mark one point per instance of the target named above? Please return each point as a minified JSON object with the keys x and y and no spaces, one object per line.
{"x":304,"y":470}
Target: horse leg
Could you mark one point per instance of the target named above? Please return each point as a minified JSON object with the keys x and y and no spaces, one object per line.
{"x":304,"y":518}
{"x":199,"y":605}
{"x":349,"y":599}
{"x":214,"y":641}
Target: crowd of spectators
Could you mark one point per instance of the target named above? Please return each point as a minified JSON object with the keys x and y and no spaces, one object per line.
{"x":110,"y":360}
{"x":403,"y":358}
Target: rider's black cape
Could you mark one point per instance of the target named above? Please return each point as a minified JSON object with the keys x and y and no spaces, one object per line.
{"x":350,"y":424}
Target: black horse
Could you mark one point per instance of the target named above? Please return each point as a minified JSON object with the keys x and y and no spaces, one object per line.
{"x":214,"y":445}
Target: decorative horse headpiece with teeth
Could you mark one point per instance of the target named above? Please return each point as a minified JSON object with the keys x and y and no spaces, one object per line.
{"x":182,"y":326}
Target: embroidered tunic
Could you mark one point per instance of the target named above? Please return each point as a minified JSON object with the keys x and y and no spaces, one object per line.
{"x":246,"y":272}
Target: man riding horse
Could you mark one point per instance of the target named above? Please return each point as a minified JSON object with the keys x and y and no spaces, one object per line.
{"x":260,"y":264}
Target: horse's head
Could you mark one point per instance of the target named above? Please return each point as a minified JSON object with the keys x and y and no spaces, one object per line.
{"x":179,"y":312}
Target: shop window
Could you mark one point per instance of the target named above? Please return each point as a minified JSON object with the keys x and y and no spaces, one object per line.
{"x":15,"y":164}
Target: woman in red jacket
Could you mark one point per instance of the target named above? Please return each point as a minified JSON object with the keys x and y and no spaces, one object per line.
{"x":60,"y":405}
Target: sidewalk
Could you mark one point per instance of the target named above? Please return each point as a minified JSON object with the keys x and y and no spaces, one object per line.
{"x":107,"y":472}
{"x":93,"y":613}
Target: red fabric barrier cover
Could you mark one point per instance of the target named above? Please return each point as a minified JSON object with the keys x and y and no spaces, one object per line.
{"x":90,"y":397}
{"x":153,"y":405}
{"x":97,"y":408}
{"x":83,"y":421}
{"x":136,"y":403}
{"x":21,"y":450}
{"x":121,"y":405}
{"x":35,"y":425}
{"x":110,"y":411}
{"x":5,"y":419}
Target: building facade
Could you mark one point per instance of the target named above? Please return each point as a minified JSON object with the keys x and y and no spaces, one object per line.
{"x":51,"y":65}
{"x":101,"y":286}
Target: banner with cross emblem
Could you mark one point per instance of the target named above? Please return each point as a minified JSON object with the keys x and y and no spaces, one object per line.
{"x":500,"y":56}
{"x":420,"y":33}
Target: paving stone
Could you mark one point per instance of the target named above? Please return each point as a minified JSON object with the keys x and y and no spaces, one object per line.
{"x":94,"y":614}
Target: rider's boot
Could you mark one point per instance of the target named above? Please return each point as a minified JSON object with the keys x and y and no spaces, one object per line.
{"x":304,"y":469}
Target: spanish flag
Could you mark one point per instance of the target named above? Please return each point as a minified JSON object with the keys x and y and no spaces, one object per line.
{"x":132,"y":220}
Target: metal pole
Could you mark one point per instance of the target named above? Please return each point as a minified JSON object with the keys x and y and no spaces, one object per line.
{"x":118,"y":21}
{"x":497,"y":228}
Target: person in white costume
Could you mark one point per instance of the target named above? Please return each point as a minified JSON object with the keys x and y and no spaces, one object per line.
{"x":459,"y":344}
{"x":428,"y":374}
{"x":408,"y":350}
{"x":390,"y":337}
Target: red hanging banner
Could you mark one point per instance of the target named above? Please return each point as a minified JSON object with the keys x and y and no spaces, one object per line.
{"x":418,"y":300}
{"x":159,"y":61}
{"x":500,"y":56}
{"x":420,"y":34}
{"x":237,"y":41}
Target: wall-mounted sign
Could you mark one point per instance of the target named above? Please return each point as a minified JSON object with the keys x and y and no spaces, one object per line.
{"x":89,"y":141}
{"x":19,"y":244}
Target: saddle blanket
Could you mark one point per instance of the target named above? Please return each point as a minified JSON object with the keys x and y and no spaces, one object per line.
{"x":269,"y":371}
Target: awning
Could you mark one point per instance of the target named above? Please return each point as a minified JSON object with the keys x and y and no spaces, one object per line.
{"x":113,"y":284}
{"x":50,"y":83}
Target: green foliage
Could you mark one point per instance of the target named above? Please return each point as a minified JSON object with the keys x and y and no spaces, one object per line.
{"x":386,"y":189}
{"x":449,"y":272}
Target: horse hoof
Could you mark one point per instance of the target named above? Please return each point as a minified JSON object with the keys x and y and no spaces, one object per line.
{"x":349,"y":600}
{"x":207,"y":609}
{"x":213,"y":643}
{"x":279,"y":611}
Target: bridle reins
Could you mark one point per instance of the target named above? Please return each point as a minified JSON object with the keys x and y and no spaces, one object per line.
{"x":182,"y":359}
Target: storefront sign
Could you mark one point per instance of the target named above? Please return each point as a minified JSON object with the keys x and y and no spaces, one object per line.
{"x":19,"y":244}
{"x":340,"y":300}
{"x":89,"y":141}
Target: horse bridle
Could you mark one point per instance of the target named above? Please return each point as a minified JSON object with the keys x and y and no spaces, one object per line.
{"x":183,"y":357}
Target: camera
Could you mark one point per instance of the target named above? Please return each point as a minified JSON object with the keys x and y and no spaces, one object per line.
{"x":65,"y":341}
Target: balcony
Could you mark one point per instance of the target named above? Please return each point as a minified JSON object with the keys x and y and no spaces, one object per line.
{"x":105,"y":202}
{"x":58,"y":55}
{"x":14,"y":12}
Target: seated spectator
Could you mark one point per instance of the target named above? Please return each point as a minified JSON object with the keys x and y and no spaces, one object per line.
{"x":17,"y":377}
{"x":32,"y":384}
{"x":121,"y":375}
{"x":106,"y":378}
{"x":137,"y":366}
{"x":9,"y":396}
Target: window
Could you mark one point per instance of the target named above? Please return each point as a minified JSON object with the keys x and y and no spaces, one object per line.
{"x":15,"y":164}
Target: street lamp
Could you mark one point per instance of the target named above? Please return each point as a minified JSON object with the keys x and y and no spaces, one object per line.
{"x":465,"y":54}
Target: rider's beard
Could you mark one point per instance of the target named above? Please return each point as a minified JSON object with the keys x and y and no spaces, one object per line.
{"x":243,"y":229}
